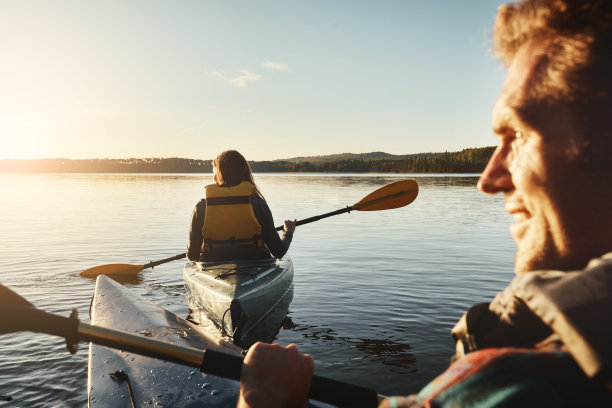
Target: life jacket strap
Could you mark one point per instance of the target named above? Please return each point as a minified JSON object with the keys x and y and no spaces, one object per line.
{"x":228,"y":200}
{"x":209,"y":243}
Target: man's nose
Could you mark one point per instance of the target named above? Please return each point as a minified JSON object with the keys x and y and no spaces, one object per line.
{"x":496,"y":176}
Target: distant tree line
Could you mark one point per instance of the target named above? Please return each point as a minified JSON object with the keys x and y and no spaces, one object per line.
{"x":465,"y":161}
{"x":150,"y":165}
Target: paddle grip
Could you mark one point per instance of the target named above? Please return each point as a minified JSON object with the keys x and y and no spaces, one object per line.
{"x":221,"y":364}
{"x":322,"y":389}
{"x":318,"y":217}
{"x":342,"y":394}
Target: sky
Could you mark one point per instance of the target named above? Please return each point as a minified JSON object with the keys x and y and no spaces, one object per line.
{"x":272,"y":79}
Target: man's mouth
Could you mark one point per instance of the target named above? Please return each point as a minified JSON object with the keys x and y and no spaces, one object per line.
{"x":521,"y":218}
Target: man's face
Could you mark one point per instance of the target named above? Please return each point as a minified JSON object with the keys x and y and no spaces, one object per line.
{"x":531,"y":166}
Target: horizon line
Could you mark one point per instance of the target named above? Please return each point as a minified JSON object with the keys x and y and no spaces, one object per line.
{"x":288,"y":158}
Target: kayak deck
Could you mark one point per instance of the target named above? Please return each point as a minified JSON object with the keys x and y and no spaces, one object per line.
{"x":240,"y":297}
{"x":153,"y":382}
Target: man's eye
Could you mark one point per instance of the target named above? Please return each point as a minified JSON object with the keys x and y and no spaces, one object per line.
{"x":517,"y":139}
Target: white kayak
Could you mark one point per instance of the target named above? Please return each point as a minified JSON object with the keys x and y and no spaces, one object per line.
{"x":153,"y":382}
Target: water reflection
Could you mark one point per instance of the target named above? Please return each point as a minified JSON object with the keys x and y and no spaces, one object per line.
{"x":448,"y":181}
{"x":373,"y":180}
{"x":388,"y":352}
{"x":267,"y":329}
{"x":384,"y":351}
{"x":423,"y":259}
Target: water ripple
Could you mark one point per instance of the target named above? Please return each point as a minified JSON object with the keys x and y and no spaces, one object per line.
{"x":375,"y":294}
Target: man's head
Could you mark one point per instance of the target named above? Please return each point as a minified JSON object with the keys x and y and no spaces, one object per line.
{"x":554,"y":123}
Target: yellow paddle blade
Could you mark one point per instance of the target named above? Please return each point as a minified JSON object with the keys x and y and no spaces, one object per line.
{"x":394,"y":195}
{"x":113,"y":269}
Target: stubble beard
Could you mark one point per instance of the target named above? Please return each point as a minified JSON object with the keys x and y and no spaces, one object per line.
{"x":535,"y":251}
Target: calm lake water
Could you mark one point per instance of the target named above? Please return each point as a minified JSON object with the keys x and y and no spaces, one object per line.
{"x":375,"y":293}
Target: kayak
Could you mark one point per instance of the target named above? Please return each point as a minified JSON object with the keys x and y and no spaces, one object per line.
{"x":243,"y":298}
{"x":152,"y":382}
{"x":120,"y":379}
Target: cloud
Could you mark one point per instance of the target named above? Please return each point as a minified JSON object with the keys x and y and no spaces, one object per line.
{"x":276,"y":66}
{"x":219,"y":74}
{"x":240,"y":81}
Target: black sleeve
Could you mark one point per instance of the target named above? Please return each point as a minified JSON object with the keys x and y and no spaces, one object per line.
{"x":278,"y":246}
{"x":194,"y":245}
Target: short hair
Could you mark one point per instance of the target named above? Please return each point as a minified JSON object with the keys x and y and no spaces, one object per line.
{"x":576,"y":69}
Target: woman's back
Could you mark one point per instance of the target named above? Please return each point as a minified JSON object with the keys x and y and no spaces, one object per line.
{"x":233,"y":221}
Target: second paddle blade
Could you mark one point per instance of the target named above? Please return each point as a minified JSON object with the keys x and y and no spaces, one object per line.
{"x":113,"y":269}
{"x":394,"y":195}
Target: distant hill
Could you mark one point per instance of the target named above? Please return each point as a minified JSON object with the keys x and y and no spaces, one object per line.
{"x":464,"y":161}
{"x":355,"y":156}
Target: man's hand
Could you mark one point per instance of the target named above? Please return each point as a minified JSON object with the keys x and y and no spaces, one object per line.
{"x":274,"y":376}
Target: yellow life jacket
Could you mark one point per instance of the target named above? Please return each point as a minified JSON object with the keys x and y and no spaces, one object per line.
{"x":230,"y":229}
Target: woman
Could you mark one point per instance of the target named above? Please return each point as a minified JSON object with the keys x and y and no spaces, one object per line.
{"x":233,"y":220}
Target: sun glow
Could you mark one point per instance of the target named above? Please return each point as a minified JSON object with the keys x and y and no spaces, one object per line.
{"x":96,"y":79}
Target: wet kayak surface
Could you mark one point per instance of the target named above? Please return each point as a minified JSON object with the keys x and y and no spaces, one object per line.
{"x":151,"y":381}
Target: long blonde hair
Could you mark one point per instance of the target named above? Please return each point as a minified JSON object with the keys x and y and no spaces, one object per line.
{"x":231,"y":169}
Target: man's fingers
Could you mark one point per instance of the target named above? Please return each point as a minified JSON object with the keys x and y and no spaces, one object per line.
{"x":309,"y":363}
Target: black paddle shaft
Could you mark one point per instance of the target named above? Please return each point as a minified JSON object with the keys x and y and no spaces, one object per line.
{"x":334,"y":392}
{"x":162,"y":261}
{"x":318,"y":217}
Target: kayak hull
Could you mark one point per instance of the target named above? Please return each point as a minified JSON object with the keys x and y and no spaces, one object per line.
{"x":153,"y":382}
{"x":241,"y":297}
